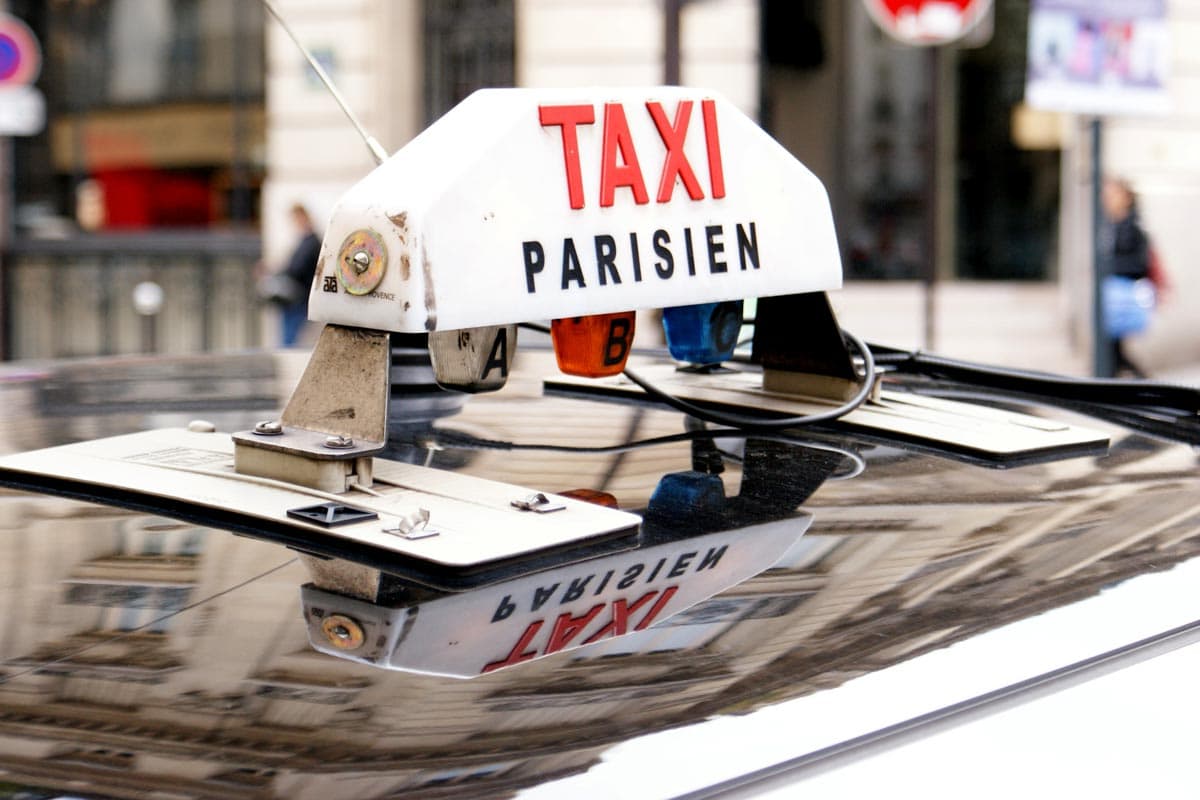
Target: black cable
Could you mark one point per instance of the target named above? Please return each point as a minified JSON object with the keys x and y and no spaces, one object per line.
{"x":466,"y":441}
{"x":1095,"y":391}
{"x":739,"y":421}
{"x":1159,"y":409}
{"x":1171,"y":425}
{"x":760,"y":423}
{"x":1165,"y":411}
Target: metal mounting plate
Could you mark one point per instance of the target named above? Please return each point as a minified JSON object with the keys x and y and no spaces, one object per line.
{"x":188,"y":475}
{"x":974,"y":432}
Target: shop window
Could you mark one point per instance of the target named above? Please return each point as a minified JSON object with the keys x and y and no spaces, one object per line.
{"x":155,"y":116}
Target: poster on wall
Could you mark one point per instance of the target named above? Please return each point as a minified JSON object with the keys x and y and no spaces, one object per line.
{"x":1098,"y":57}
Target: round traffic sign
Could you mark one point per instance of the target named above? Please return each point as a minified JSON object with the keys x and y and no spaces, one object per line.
{"x":20,"y":55}
{"x":927,"y":22}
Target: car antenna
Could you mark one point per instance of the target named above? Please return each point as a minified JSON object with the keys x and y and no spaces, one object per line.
{"x":377,"y":152}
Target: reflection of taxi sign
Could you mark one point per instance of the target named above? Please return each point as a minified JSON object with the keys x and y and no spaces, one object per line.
{"x":576,"y":605}
{"x":525,"y":204}
{"x":20,"y":56}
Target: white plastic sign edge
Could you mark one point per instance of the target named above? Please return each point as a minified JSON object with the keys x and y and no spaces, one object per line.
{"x":514,"y":207}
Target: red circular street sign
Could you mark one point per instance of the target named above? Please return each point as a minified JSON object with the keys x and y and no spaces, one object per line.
{"x":927,"y":22}
{"x":20,"y":56}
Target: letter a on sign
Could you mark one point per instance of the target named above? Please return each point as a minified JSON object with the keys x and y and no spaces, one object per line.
{"x":473,"y":359}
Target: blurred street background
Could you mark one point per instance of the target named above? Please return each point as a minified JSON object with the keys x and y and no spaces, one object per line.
{"x":143,"y":211}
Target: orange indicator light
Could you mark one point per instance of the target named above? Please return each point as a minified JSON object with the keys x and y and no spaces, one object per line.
{"x":594,"y":496}
{"x":595,"y":346}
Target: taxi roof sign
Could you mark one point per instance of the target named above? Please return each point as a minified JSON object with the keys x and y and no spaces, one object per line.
{"x":525,"y":204}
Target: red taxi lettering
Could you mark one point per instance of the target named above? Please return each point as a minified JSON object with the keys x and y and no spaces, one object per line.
{"x":518,"y":653}
{"x":619,"y":625}
{"x":619,"y":163}
{"x":567,"y":118}
{"x":667,"y":594}
{"x":568,"y":627}
{"x":716,"y":171}
{"x":618,"y":138}
{"x":676,"y":163}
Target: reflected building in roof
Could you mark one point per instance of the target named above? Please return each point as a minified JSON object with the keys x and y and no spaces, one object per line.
{"x":146,"y":657}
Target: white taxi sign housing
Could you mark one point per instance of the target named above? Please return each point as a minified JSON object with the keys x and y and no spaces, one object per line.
{"x":525,"y":204}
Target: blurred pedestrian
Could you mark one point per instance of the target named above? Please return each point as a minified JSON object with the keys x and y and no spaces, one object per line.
{"x":289,"y":287}
{"x":1128,"y":291}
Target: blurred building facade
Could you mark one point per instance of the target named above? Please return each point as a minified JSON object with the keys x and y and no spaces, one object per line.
{"x":232,"y":128}
{"x":850,"y":103}
{"x":147,"y":172}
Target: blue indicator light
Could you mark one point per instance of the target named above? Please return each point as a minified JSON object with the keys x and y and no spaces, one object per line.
{"x":686,"y":496}
{"x":706,"y":333}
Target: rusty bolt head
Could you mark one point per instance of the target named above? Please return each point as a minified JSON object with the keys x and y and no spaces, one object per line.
{"x":343,"y":632}
{"x":361,"y":262}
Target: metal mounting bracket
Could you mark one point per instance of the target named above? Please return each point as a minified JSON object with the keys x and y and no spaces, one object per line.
{"x":335,"y":421}
{"x":799,"y":344}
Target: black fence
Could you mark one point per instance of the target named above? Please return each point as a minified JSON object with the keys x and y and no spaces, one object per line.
{"x":136,"y":293}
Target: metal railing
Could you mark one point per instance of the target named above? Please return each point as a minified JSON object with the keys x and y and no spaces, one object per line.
{"x":76,"y":296}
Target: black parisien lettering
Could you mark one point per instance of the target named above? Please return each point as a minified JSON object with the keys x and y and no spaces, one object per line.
{"x":609,"y":256}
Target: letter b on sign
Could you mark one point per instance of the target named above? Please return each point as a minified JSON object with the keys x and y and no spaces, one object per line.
{"x":595,"y":346}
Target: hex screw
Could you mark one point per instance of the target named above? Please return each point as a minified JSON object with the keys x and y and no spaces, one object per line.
{"x":343,"y":632}
{"x":339,"y":442}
